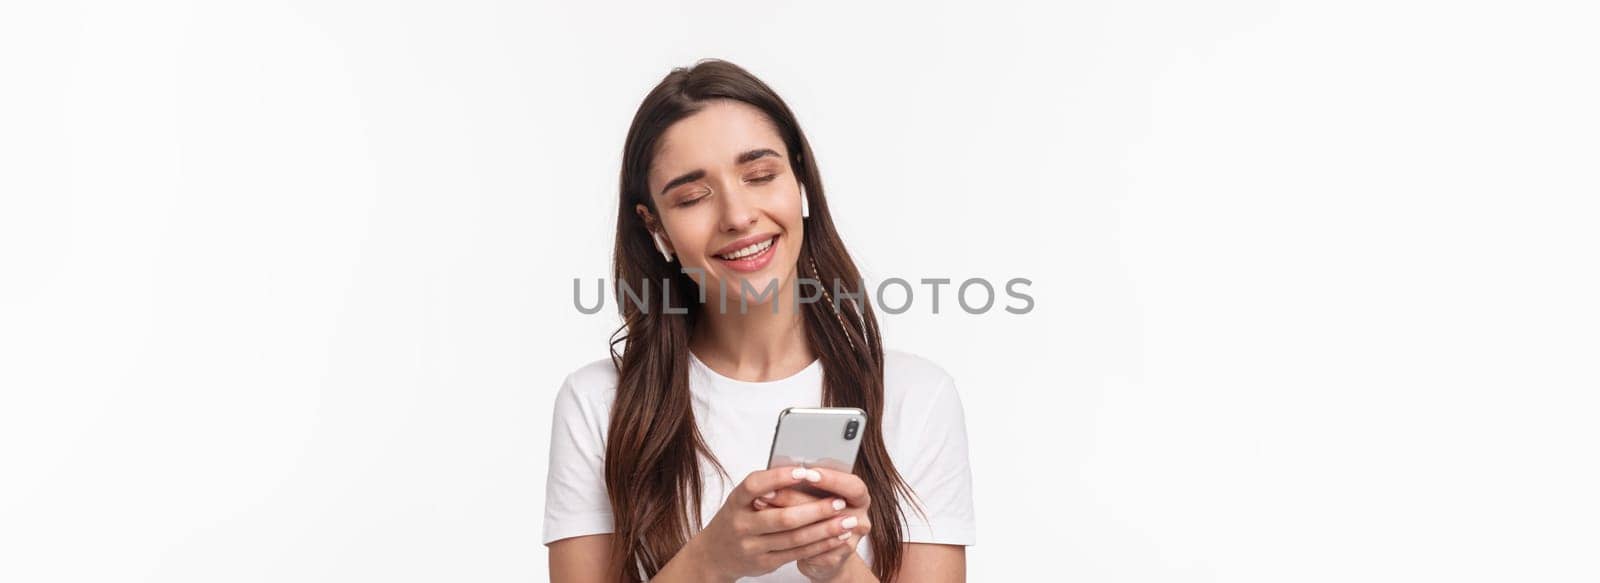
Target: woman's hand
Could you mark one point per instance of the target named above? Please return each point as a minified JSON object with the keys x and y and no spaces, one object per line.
{"x":741,"y":541}
{"x":830,"y":564}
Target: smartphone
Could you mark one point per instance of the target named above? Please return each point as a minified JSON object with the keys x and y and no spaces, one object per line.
{"x":817,"y":437}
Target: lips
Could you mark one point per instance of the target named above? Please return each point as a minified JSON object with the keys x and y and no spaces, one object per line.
{"x":749,"y":254}
{"x":746,"y":249}
{"x":730,"y":248}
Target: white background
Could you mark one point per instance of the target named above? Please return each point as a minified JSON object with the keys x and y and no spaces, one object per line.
{"x":287,"y":285}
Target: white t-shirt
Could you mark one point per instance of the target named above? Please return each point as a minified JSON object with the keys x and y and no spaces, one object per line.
{"x":924,"y":429}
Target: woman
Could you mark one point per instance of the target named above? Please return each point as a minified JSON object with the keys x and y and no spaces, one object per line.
{"x":721,"y":200}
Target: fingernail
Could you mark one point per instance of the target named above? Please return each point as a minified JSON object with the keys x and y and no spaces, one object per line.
{"x":770,"y":495}
{"x":844,"y":536}
{"x":798,"y":473}
{"x":848,"y":522}
{"x":838,"y":504}
{"x":813,"y":476}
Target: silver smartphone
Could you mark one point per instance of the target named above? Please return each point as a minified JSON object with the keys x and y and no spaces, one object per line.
{"x":818,"y":437}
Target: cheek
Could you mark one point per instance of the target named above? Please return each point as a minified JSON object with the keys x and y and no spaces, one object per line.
{"x":795,"y":231}
{"x":690,"y":233}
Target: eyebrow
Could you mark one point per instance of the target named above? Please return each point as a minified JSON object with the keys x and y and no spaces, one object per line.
{"x":688,"y":177}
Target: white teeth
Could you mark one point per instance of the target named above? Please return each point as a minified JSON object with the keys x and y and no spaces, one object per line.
{"x":751,"y":250}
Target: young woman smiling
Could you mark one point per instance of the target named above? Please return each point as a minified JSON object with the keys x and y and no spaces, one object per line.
{"x":720,"y":194}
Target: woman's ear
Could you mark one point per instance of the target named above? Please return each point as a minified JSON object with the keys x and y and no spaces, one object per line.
{"x":649,"y":219}
{"x":663,"y":244}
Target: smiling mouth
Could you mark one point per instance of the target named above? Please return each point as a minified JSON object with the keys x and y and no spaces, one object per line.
{"x":749,"y":252}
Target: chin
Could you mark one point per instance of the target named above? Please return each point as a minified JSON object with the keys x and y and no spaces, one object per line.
{"x":756,"y":295}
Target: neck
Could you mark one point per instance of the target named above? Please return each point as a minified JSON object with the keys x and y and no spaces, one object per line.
{"x":757,"y":345}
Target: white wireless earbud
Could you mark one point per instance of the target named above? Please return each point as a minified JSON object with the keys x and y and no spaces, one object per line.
{"x":805,"y":205}
{"x":662,"y":247}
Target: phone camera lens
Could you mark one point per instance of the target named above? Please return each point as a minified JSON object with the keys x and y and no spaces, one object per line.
{"x":850,"y":429}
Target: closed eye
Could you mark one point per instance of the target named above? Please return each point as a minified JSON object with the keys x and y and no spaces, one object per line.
{"x":763,"y":179}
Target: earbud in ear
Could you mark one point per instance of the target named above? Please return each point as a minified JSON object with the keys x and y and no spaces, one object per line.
{"x":662,"y":247}
{"x":805,"y":205}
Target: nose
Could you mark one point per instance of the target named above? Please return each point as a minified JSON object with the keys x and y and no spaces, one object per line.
{"x":738,"y":210}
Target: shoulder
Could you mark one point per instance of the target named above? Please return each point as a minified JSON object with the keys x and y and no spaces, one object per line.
{"x":905,"y":368}
{"x":598,"y":375}
{"x":593,"y":384}
{"x":920,"y":408}
{"x":911,"y":377}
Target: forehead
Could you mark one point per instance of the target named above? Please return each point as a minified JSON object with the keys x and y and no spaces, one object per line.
{"x":712,"y":138}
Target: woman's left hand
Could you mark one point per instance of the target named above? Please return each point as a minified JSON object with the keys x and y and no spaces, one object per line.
{"x":830,"y":565}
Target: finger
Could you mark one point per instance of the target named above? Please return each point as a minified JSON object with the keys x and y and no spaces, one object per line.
{"x":759,"y":504}
{"x":834,"y":555}
{"x":844,"y":484}
{"x":786,"y":497}
{"x":764,"y":481}
{"x":781,"y":519}
{"x":863,"y":524}
{"x":834,"y":527}
{"x":810,"y":550}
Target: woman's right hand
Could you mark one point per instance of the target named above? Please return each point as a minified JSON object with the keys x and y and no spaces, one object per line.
{"x":741,"y":541}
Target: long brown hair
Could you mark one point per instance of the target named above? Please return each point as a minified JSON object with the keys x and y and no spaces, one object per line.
{"x":654,"y":445}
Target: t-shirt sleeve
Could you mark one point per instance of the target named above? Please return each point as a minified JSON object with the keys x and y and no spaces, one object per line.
{"x":941,"y":475}
{"x":575,"y":502}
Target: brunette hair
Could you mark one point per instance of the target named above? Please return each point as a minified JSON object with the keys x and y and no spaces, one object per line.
{"x":652,"y":454}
